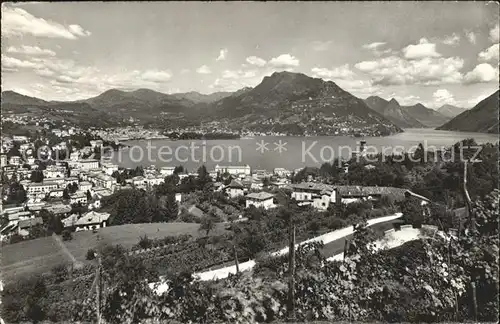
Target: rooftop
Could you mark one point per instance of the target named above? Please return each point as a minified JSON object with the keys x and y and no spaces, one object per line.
{"x":92,"y":218}
{"x":260,"y":195}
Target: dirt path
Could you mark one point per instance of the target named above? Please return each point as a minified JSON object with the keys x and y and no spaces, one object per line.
{"x":63,"y":247}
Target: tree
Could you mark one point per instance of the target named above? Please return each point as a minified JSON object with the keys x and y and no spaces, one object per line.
{"x":207,"y":224}
{"x":90,"y":254}
{"x":203,"y":176}
{"x":36,"y":176}
{"x":35,"y":308}
{"x":89,"y":195}
{"x":412,"y":210}
{"x":17,"y":194}
{"x":54,"y":224}
{"x":66,"y":193}
{"x":172,"y":208}
{"x":178,"y":169}
{"x":66,"y":235}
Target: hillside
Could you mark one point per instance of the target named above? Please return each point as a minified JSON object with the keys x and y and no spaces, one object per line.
{"x":197,"y":97}
{"x":14,"y":98}
{"x":426,"y":116}
{"x":393,"y":111}
{"x":450,"y":110}
{"x":482,"y":118}
{"x":285,"y":103}
{"x":297,"y":103}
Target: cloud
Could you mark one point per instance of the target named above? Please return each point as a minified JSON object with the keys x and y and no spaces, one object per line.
{"x":320,"y":46}
{"x":495,"y":34}
{"x":14,"y":63}
{"x":232,"y":80}
{"x":156,"y":76}
{"x":30,"y":50}
{"x":482,"y":73}
{"x":373,"y":46}
{"x":421,"y":50}
{"x":490,"y":54}
{"x":345,"y":78}
{"x":222,"y":55}
{"x":452,"y":40}
{"x":394,"y":70}
{"x":443,"y":97}
{"x":18,"y":22}
{"x":232,"y":74}
{"x":185,"y":71}
{"x":65,"y":78}
{"x":284,"y":61}
{"x":471,"y":36}
{"x":257,"y":61}
{"x":78,"y":30}
{"x":342,"y":72}
{"x":203,"y":70}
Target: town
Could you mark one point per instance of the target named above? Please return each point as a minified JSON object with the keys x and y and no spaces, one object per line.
{"x":249,"y":162}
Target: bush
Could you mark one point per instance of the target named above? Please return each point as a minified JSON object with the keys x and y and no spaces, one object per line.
{"x":90,"y":254}
{"x":337,"y":223}
{"x":145,"y":242}
{"x":66,"y":235}
{"x":60,"y":273}
{"x":15,"y":238}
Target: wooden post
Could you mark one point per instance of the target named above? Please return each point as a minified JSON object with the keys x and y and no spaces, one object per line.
{"x":467,"y":199}
{"x":98,"y":290}
{"x":291,"y":271}
{"x":236,"y":259}
{"x":346,"y":247}
{"x":474,"y":300}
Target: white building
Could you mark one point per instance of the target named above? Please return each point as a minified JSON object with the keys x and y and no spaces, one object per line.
{"x":56,"y":193}
{"x":3,"y":160}
{"x":20,"y":138}
{"x":260,"y":199}
{"x":234,"y":169}
{"x":103,"y":180}
{"x":235,"y":189}
{"x":53,"y":171}
{"x":318,"y":195}
{"x":88,"y":164}
{"x":15,"y":160}
{"x":84,"y":186}
{"x":78,"y":197}
{"x":91,"y":220}
{"x":43,"y":188}
{"x":96,"y":143}
{"x":166,"y":171}
{"x":109,"y":168}
{"x":74,"y":156}
{"x":281,"y":172}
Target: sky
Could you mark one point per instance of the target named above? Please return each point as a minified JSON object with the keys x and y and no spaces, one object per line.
{"x":434,"y":53}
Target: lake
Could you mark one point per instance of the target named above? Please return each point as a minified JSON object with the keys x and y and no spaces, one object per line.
{"x":269,"y":152}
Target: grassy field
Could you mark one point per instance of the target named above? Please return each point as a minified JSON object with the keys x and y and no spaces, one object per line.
{"x":41,"y":255}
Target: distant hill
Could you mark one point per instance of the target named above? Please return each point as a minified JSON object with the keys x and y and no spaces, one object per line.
{"x":482,"y":118}
{"x":197,"y":97}
{"x":284,"y":103}
{"x":426,"y":116}
{"x":393,"y":112}
{"x":295,"y":100}
{"x":12,"y":97}
{"x":450,"y":110}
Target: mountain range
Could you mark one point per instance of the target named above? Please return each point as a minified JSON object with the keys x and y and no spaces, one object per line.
{"x":481,"y":118}
{"x":416,"y":116}
{"x":284,"y":102}
{"x":450,"y":110}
